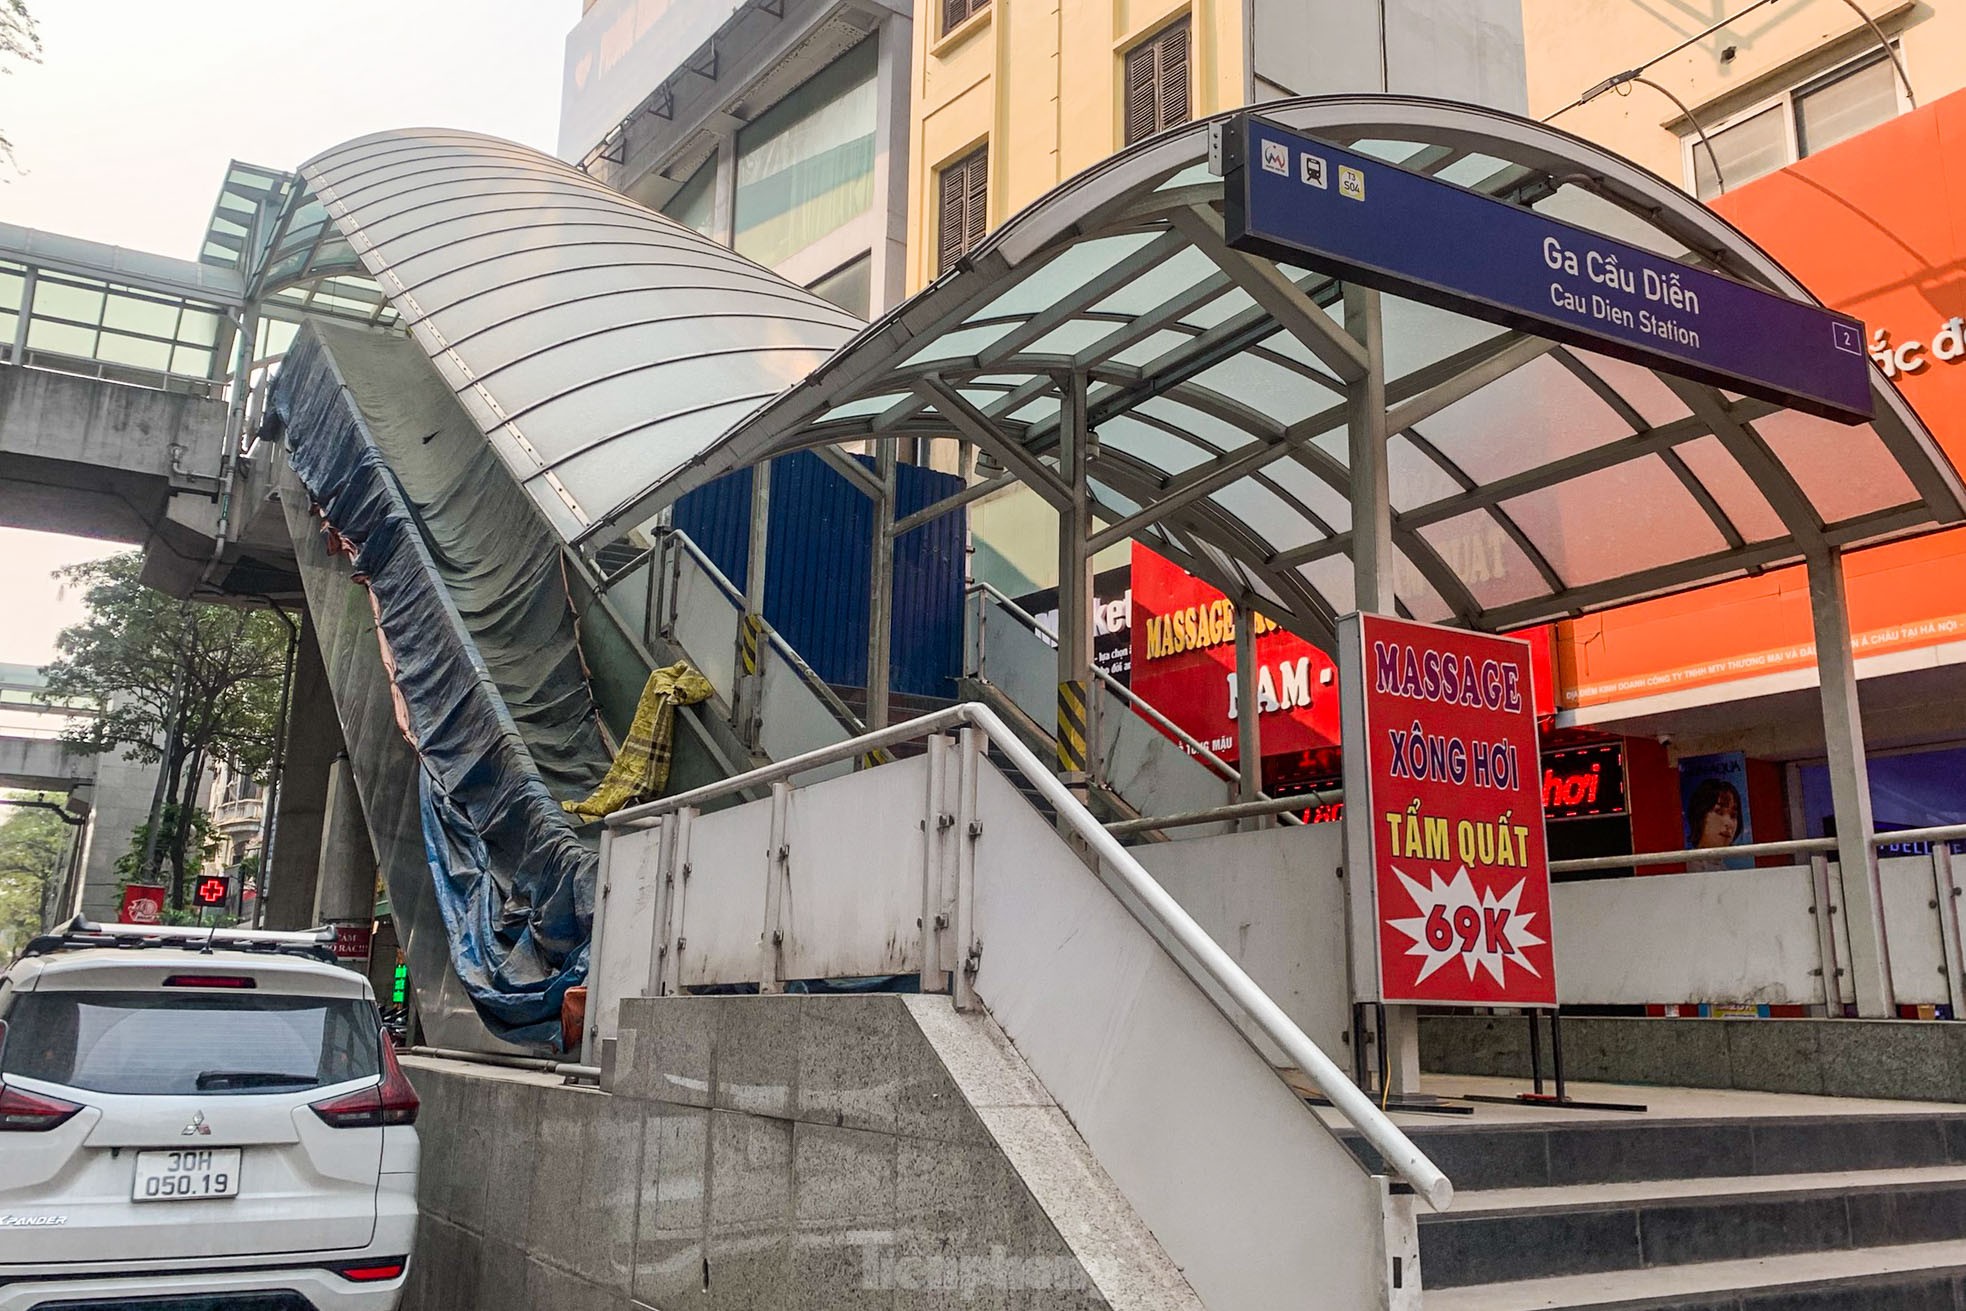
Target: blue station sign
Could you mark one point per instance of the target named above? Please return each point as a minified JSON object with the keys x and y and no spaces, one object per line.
{"x":1296,"y":199}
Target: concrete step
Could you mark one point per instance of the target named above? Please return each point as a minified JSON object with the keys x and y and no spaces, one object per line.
{"x":1537,"y":1233}
{"x":1908,"y":1277}
{"x":1556,"y":1153}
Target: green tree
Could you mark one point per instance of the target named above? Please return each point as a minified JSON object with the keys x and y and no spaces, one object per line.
{"x":33,"y":845}
{"x":20,"y":38}
{"x":179,"y":683}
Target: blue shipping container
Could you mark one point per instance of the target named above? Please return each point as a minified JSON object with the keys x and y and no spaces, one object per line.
{"x":819,"y":549}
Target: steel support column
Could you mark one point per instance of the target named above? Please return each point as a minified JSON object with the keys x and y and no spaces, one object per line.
{"x":1249,"y":728}
{"x":1076,"y":730}
{"x":22,"y":319}
{"x":1372,"y":581}
{"x":1849,"y":777}
{"x":880,"y":590}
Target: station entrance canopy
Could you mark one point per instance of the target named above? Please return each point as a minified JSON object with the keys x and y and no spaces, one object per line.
{"x":615,"y":360}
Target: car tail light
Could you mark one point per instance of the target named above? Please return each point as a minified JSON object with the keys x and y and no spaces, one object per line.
{"x":210,"y":981}
{"x":25,"y":1112}
{"x":372,"y":1271}
{"x":393,"y":1101}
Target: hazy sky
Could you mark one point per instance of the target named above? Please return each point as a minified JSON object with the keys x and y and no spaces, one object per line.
{"x":123,"y":132}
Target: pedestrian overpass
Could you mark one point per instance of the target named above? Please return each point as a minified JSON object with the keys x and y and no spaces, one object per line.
{"x":1133,"y":1068}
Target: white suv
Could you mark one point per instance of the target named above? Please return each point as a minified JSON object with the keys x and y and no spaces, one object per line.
{"x":199,"y":1121}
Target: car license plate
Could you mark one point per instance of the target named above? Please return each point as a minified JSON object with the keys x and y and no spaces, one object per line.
{"x":182,"y":1176}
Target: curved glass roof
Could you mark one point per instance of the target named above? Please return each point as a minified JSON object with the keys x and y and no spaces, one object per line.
{"x":599,"y":345}
{"x":1529,"y":480}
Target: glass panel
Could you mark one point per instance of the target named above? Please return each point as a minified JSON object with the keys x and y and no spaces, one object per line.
{"x":1191,"y":176}
{"x":1270,"y":389}
{"x":149,"y":317}
{"x":1070,"y":337}
{"x":1159,"y":284}
{"x":1471,"y":169}
{"x":1393,"y":152}
{"x":1219,"y":433}
{"x":1655,"y":521}
{"x":960,"y":344}
{"x":1855,"y":102}
{"x":1266,"y":514}
{"x":1224,"y":307}
{"x":10,"y":284}
{"x":135,"y":351}
{"x":1485,"y":558}
{"x":851,"y":288}
{"x":1729,"y":484}
{"x":191,"y":362}
{"x":1523,"y":421}
{"x":1324,"y":500}
{"x":67,"y":302}
{"x":1418,"y":335}
{"x":61,"y":338}
{"x":1416,"y":593}
{"x":805,"y":167}
{"x":200,"y":327}
{"x":1844,"y":471}
{"x":695,"y":204}
{"x":1589,"y":210}
{"x":1150,"y":347}
{"x":1745,"y":151}
{"x":862,"y":408}
{"x":1415,"y":478}
{"x":1333,"y":579}
{"x":1153,"y":446}
{"x":1642,"y":389}
{"x":1291,"y":348}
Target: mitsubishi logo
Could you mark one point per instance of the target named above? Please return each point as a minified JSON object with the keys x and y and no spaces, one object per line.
{"x":196,"y":1126}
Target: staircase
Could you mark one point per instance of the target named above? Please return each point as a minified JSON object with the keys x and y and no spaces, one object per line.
{"x":1801,"y":1203}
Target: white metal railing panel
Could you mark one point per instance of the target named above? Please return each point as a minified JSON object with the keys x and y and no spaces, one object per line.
{"x":631,"y":884}
{"x":717,"y":924}
{"x":1017,"y":662}
{"x":852,"y":901}
{"x":1911,"y":927}
{"x":1274,"y":901}
{"x":795,"y":719}
{"x":1743,"y":936}
{"x":1247,"y":1192}
{"x":704,"y":623}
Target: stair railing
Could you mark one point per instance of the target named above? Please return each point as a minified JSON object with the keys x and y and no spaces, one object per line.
{"x":1107,"y":686}
{"x":1200,"y":958}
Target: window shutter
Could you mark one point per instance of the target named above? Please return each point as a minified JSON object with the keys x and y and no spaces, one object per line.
{"x":1141,"y":93}
{"x":963,"y":210}
{"x":1156,"y":84}
{"x":1173,"y":89}
{"x":956,"y":12}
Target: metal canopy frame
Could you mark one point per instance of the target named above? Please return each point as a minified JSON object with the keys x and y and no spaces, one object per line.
{"x":1220,"y":389}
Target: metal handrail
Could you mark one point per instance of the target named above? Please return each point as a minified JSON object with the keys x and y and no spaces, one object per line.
{"x":1286,"y":806}
{"x":1789,"y":847}
{"x":1147,"y":900}
{"x":773,"y":638}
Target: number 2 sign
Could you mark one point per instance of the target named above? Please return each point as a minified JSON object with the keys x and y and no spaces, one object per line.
{"x":1441,"y":755}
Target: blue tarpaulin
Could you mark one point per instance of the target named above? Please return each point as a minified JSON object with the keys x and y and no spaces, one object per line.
{"x":473,"y":617}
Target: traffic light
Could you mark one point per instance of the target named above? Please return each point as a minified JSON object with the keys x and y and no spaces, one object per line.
{"x":212,"y":890}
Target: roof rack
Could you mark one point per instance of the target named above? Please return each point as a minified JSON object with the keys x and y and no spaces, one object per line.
{"x":80,"y":934}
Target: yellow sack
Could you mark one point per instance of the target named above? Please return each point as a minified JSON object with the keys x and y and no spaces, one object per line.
{"x":641,"y":768}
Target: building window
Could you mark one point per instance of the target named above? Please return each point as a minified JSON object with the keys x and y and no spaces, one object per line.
{"x":695,"y":204}
{"x":1775,"y":133}
{"x":1157,"y":83}
{"x":805,"y":167}
{"x":851,"y":287}
{"x":961,"y":213}
{"x":957,"y":12}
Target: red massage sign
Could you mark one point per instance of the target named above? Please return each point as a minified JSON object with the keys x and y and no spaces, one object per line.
{"x":1440,"y":743}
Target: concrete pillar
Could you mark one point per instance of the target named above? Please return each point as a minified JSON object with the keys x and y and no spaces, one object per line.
{"x":888,"y":283}
{"x":345,"y":891}
{"x":1849,"y":779}
{"x":313,"y":742}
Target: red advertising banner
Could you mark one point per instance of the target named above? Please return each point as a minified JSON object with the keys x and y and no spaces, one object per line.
{"x":1442,"y":771}
{"x":143,"y":903}
{"x":1184,"y":665}
{"x":351,"y":941}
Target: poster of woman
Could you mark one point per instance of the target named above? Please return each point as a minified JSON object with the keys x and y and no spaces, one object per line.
{"x":1713,"y":796}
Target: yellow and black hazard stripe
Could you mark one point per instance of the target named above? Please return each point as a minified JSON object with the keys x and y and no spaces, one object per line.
{"x":749,"y":633}
{"x":1071,"y":727}
{"x":878,"y":756}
